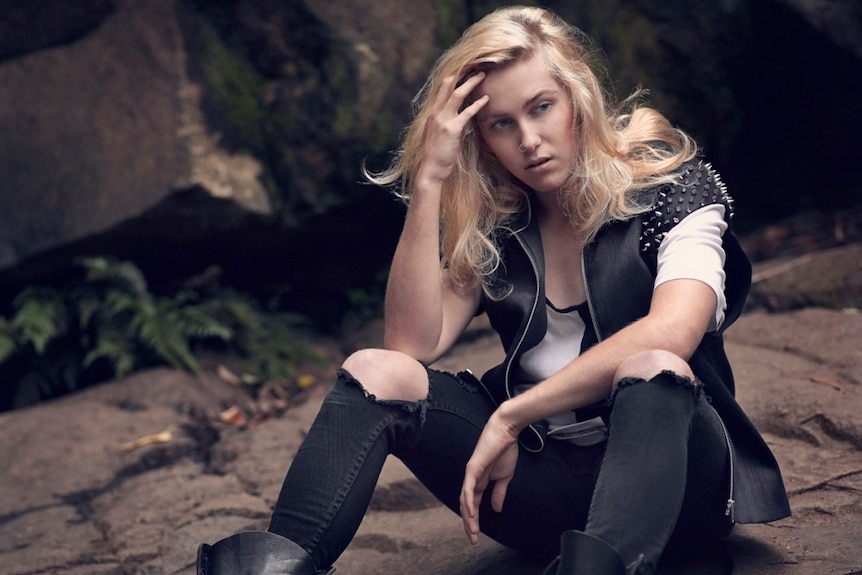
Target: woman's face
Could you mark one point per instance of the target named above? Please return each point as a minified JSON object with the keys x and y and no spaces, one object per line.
{"x":527,"y":123}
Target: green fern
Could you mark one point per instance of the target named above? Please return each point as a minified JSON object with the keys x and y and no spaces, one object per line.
{"x":276,"y":351}
{"x":108,"y":314}
{"x":158,"y":328}
{"x":116,"y":273}
{"x":121,"y":305}
{"x":199,"y":323}
{"x":40,"y":317}
{"x":87,"y":304}
{"x":116,"y":349}
{"x":240,"y":312}
{"x":8,"y":345}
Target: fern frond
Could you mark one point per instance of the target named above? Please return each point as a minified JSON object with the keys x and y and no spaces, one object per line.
{"x":115,"y":349}
{"x":197,"y":322}
{"x":8,"y":345}
{"x":117,"y":303}
{"x":87,"y":308}
{"x":277,"y":350}
{"x":162,"y":332}
{"x":40,"y":317}
{"x":238,"y":311}
{"x":115,"y":272}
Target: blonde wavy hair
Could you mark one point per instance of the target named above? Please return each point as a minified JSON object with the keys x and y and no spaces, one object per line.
{"x":621,"y":149}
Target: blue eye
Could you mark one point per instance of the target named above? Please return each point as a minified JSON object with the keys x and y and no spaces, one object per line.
{"x":500,"y":124}
{"x":543,"y":107}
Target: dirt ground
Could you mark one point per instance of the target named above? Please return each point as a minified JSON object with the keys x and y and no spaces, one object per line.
{"x":129,"y":477}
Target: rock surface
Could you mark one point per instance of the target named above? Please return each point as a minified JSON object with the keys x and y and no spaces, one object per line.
{"x":77,"y":496}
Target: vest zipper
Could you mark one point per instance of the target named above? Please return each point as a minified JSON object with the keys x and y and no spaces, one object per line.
{"x":517,"y":347}
{"x":589,"y":298}
{"x":730,"y":508}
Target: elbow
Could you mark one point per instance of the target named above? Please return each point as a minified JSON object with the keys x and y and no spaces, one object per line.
{"x":677,"y":337}
{"x":394,"y":343}
{"x":685,"y":351}
{"x":405,"y":345}
{"x":682,"y":341}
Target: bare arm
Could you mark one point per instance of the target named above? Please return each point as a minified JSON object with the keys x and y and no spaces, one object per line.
{"x":680,"y":312}
{"x":678,"y":318}
{"x":425,"y":311}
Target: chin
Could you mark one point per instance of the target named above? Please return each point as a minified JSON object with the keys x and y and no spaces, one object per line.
{"x":547,"y":186}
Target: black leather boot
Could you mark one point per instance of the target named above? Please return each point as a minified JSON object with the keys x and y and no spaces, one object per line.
{"x":584,"y":554}
{"x":255,"y":553}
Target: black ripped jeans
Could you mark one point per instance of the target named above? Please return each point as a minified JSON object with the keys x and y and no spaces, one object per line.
{"x":662,"y":476}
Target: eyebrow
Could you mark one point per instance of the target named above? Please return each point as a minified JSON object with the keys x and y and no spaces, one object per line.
{"x":543,"y":93}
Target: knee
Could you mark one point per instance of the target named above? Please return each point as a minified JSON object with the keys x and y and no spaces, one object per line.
{"x":388,"y":375}
{"x":648,"y":364}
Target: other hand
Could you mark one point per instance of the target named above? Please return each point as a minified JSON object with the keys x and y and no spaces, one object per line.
{"x":494,"y":459}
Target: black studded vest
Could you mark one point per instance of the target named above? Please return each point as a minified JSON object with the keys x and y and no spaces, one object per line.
{"x":619,"y":270}
{"x":699,"y":186}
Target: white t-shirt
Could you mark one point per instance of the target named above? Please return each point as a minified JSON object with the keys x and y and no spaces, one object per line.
{"x":691,"y":250}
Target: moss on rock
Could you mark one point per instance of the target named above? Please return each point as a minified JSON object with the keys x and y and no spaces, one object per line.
{"x":236,"y":85}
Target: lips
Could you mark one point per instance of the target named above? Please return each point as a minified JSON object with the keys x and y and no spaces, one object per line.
{"x":537,"y":163}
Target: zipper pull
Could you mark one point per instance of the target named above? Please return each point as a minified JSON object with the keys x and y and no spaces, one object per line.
{"x":730,"y":510}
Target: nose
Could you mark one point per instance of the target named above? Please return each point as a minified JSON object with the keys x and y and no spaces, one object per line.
{"x":530,"y":139}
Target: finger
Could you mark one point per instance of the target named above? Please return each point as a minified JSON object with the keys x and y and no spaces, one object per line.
{"x":470,"y":494}
{"x":457,"y":95}
{"x":450,"y":85}
{"x":469,"y":82}
{"x":465,"y":500}
{"x":447,"y":86}
{"x":466,"y":519}
{"x":471,"y":527}
{"x":470,"y":111}
{"x":498,"y":494}
{"x":468,"y":505}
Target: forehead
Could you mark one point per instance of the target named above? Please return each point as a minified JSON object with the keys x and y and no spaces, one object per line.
{"x":517,"y":82}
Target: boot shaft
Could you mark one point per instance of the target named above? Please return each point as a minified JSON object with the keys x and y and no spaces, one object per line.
{"x":255,"y":553}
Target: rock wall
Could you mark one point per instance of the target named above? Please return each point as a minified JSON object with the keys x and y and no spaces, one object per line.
{"x":100,"y":130}
{"x":110,"y":107}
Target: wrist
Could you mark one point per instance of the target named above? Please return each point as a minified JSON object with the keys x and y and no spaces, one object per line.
{"x":427,"y":179}
{"x":511,"y":416}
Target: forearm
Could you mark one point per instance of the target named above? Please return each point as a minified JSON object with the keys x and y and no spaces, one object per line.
{"x":413,"y":309}
{"x":424,"y":311}
{"x":586,"y":380}
{"x":681,"y":311}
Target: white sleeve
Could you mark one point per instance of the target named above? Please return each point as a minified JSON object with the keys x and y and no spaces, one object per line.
{"x":693,"y":250}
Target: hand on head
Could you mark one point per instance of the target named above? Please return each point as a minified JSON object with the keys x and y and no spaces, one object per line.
{"x":450,"y":115}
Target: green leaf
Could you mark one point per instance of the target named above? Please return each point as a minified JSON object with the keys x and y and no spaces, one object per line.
{"x":40,"y":317}
{"x":199,"y":323}
{"x":119,"y":274}
{"x":115,"y":349}
{"x":88,"y":307}
{"x":8,"y":345}
{"x":159,"y":329}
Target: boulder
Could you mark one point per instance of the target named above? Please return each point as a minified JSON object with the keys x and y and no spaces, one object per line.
{"x":30,"y":26}
{"x":112,"y":107}
{"x":99,"y":130}
{"x":134,"y":126}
